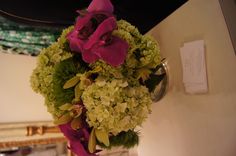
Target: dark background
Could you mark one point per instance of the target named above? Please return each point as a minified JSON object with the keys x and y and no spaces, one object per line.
{"x":143,"y":14}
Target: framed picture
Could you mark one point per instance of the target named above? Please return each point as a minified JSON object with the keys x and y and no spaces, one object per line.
{"x":29,"y":133}
{"x":33,"y":138}
{"x":41,"y":138}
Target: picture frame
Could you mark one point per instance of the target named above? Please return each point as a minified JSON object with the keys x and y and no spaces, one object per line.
{"x":43,"y":133}
{"x":29,"y":133}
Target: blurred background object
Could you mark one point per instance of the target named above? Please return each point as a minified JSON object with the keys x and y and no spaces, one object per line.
{"x":26,"y":39}
{"x":57,"y":149}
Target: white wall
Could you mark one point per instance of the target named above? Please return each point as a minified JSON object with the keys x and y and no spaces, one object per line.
{"x":18,"y":102}
{"x":194,"y":125}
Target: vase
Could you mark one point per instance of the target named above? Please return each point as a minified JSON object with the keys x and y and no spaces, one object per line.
{"x":162,"y":87}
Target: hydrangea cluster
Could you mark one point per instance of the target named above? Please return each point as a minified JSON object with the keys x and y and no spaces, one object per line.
{"x":114,"y":107}
{"x":42,"y":76}
{"x":94,"y":80}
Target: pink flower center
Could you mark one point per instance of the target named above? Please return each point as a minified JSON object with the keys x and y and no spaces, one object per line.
{"x":91,"y":26}
{"x":106,"y":39}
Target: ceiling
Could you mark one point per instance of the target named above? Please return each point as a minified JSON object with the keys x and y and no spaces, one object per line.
{"x":143,"y":14}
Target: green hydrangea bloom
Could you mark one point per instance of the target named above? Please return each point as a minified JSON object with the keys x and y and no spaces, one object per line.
{"x":41,"y":78}
{"x":143,"y":49}
{"x":150,"y":52}
{"x":114,"y":106}
{"x":107,"y":70}
{"x":117,"y":101}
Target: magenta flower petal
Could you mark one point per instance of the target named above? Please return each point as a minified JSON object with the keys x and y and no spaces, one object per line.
{"x":74,"y":139}
{"x":108,"y":25}
{"x":89,"y":57}
{"x":92,"y":35}
{"x":75,"y":43}
{"x":81,"y":22}
{"x":77,"y":148}
{"x":101,"y":5}
{"x":114,"y":53}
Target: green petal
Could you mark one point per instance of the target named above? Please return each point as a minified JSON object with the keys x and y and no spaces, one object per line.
{"x":78,"y":113}
{"x":78,"y":92}
{"x":92,"y":142}
{"x":71,"y":82}
{"x":63,"y":119}
{"x":102,"y":136}
{"x":76,"y":123}
{"x":66,"y":106}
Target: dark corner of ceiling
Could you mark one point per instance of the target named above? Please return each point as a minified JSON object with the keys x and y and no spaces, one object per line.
{"x":147,"y":13}
{"x":143,"y":14}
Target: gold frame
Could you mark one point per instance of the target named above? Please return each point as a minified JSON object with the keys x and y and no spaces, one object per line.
{"x":39,"y":133}
{"x":29,"y":133}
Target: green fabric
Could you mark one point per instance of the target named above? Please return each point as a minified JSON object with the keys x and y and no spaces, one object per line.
{"x":26,"y":39}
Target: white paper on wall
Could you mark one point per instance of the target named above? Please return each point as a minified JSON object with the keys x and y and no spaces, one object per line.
{"x":194,"y":67}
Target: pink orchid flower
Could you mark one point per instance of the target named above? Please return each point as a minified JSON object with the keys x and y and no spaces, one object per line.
{"x":74,"y":138}
{"x":92,"y":35}
{"x":101,"y":5}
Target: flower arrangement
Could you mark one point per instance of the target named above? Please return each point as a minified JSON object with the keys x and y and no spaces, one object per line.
{"x":97,"y":80}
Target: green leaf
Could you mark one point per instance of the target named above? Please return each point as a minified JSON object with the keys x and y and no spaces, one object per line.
{"x":64,"y":71}
{"x":92,"y":142}
{"x":126,"y":139}
{"x":143,"y":73}
{"x":102,"y":136}
{"x":71,"y":82}
{"x":66,"y":106}
{"x":63,"y":119}
{"x":95,"y":70}
{"x":153,"y":81}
